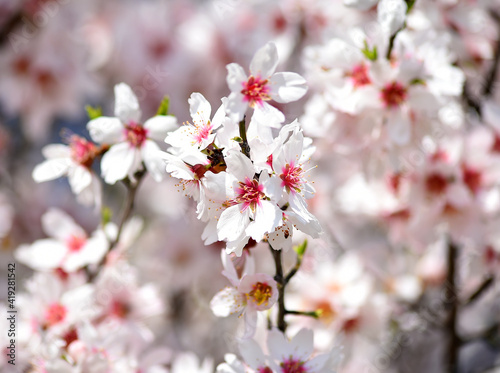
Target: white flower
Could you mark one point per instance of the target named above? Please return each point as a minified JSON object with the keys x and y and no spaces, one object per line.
{"x":75,"y":162}
{"x":68,"y":247}
{"x":251,"y":293}
{"x":200,"y":133}
{"x":251,"y":211}
{"x":261,"y":86}
{"x":295,"y":355}
{"x":132,"y":142}
{"x":391,"y":15}
{"x":188,"y":362}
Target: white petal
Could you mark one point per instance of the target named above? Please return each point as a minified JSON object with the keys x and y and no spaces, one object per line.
{"x":268,"y":116}
{"x":117,"y":162}
{"x":240,"y":166}
{"x":199,"y":107}
{"x":278,"y":345}
{"x":236,"y":246}
{"x":56,"y":151}
{"x":51,"y":169}
{"x":56,"y":223}
{"x":159,"y":126}
{"x":235,"y":77}
{"x":152,"y":156}
{"x":360,"y":4}
{"x":219,"y":117}
{"x":42,"y":254}
{"x":236,"y":106}
{"x":106,"y":130}
{"x":79,"y":178}
{"x":252,"y":354}
{"x":267,"y":218}
{"x":265,"y":61}
{"x":399,"y":127}
{"x":126,"y":104}
{"x":91,"y":253}
{"x":391,"y":15}
{"x":287,"y":87}
{"x":177,"y":167}
{"x":303,"y":344}
{"x":302,"y":218}
{"x":227,"y":301}
{"x":232,"y":223}
{"x":250,"y":317}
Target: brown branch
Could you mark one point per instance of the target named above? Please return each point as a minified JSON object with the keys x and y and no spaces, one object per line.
{"x":452,"y":300}
{"x":9,"y":26}
{"x":281,"y":289}
{"x":485,"y":285}
{"x":492,"y":73}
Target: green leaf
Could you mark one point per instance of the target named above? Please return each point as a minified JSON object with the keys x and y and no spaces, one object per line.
{"x":410,"y":4}
{"x":301,"y":249}
{"x":237,"y":139}
{"x":417,"y":81}
{"x":93,"y":112}
{"x":164,"y":106}
{"x":106,"y":215}
{"x":371,"y":54}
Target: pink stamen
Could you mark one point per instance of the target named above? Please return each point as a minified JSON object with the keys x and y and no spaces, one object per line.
{"x":393,"y":94}
{"x":75,"y":243}
{"x":82,"y":151}
{"x":292,"y":177}
{"x":255,"y":91}
{"x":292,"y":366}
{"x":359,"y":75}
{"x":55,"y":313}
{"x":135,"y":134}
{"x":250,"y":193}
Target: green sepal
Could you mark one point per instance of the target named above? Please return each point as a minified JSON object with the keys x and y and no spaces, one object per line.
{"x":371,"y":54}
{"x":164,"y":106}
{"x":93,"y":112}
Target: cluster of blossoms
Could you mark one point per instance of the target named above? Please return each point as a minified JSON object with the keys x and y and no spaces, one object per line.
{"x":397,"y":103}
{"x":250,"y":186}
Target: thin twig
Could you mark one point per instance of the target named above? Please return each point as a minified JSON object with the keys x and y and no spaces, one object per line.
{"x":492,"y":73}
{"x":245,"y":148}
{"x":314,"y":314}
{"x":281,"y":289}
{"x":453,"y":341}
{"x":485,"y":285}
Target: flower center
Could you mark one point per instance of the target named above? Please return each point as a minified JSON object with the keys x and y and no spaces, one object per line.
{"x":393,"y":94}
{"x":261,"y":292}
{"x":55,"y":313}
{"x":292,"y":366}
{"x":82,"y":151}
{"x":70,"y":336}
{"x":255,"y":91}
{"x":472,"y":179}
{"x":119,"y":309}
{"x":75,"y":243}
{"x":291,"y":177}
{"x":135,"y":134}
{"x":202,"y":131}
{"x":264,"y":370}
{"x":436,"y":184}
{"x":359,"y":75}
{"x":250,"y":193}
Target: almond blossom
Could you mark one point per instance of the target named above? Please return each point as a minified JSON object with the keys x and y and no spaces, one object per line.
{"x":200,"y":133}
{"x":131,"y":143}
{"x":69,"y":247}
{"x":74,"y":161}
{"x":247,"y":295}
{"x":251,"y":210}
{"x":261,"y":86}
